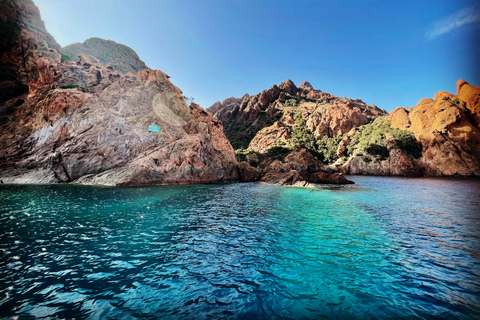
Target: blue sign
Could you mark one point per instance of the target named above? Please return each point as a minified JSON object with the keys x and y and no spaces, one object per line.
{"x":154,"y":128}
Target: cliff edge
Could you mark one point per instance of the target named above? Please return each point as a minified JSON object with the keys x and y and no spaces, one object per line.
{"x":84,"y":122}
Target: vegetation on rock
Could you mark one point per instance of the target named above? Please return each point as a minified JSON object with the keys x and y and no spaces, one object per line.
{"x":240,"y":133}
{"x":372,"y":139}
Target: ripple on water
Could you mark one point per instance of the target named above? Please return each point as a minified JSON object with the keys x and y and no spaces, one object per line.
{"x":382,"y":248}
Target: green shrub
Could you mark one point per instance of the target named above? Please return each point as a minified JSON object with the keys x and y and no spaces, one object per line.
{"x":327,"y":149}
{"x":301,"y":135}
{"x":291,"y":102}
{"x":456,"y":102}
{"x":65,"y":57}
{"x":380,"y":150}
{"x":240,"y":134}
{"x":242,"y":155}
{"x":408,"y":144}
{"x":9,"y":30}
{"x":278,"y":152}
{"x":68,"y":86}
{"x":371,"y":138}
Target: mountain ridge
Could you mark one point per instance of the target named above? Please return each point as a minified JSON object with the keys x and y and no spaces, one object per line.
{"x":355,"y":138}
{"x":123,"y":58}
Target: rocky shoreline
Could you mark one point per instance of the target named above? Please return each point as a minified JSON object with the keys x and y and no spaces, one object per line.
{"x":95,"y":120}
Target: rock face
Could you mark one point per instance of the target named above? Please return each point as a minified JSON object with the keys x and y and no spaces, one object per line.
{"x":83,"y":122}
{"x":298,"y":167}
{"x":379,"y":149}
{"x":448,"y":128}
{"x":21,"y":27}
{"x":247,"y":124}
{"x":122,"y":58}
{"x":438,"y":137}
{"x":227,"y":104}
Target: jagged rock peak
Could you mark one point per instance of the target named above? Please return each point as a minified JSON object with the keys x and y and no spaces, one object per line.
{"x":123,"y":58}
{"x":288,"y":86}
{"x":228,"y":103}
{"x":306,"y":86}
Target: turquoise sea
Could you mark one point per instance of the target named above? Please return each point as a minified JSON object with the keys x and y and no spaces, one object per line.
{"x":384,"y":248}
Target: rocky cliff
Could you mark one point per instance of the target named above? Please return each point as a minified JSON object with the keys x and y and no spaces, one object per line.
{"x":124,"y":59}
{"x":19,"y":22}
{"x":323,"y":114}
{"x":438,"y":137}
{"x":448,"y":128}
{"x":84,"y":122}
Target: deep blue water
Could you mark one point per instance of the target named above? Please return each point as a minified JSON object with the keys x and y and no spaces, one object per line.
{"x":383,"y":248}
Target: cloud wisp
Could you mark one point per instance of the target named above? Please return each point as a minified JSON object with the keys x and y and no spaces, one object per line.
{"x":454,"y":21}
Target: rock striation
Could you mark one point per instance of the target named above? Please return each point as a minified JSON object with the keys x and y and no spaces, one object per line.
{"x":84,"y":122}
{"x":124,"y":59}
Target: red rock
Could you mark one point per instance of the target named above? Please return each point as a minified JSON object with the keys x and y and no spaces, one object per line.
{"x":470,"y":96}
{"x":326,"y":178}
{"x":248,"y":173}
{"x":399,"y":118}
{"x":83,"y":122}
{"x":299,"y":168}
{"x":449,"y":131}
{"x":305,"y":86}
{"x":288,"y":86}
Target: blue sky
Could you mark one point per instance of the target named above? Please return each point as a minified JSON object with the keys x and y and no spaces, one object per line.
{"x":387,"y":53}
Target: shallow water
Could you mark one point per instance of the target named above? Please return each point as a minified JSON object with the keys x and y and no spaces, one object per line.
{"x":382,"y":248}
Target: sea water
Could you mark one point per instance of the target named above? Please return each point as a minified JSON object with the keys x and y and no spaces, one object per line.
{"x":384,"y":248}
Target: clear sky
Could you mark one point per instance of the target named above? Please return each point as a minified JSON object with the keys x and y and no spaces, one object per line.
{"x":387,"y":53}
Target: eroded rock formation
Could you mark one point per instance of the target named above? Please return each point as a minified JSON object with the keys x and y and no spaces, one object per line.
{"x":438,"y":137}
{"x":252,"y":122}
{"x":448,"y":127}
{"x":84,"y":122}
{"x":298,"y":168}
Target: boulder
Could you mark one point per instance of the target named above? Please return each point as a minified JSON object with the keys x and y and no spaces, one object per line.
{"x":248,"y":173}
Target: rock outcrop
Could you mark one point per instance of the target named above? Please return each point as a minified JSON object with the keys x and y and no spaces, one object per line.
{"x":83,"y":122}
{"x":227,"y":104}
{"x":448,"y":127}
{"x":438,"y":137}
{"x":124,"y":59}
{"x":247,"y":124}
{"x":298,"y":168}
{"x":20,"y":28}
